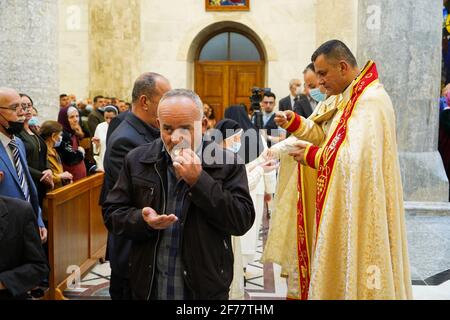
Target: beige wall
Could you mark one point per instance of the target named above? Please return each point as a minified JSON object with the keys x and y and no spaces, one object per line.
{"x":73,"y":58}
{"x":337,"y":19}
{"x":114,"y":43}
{"x":114,"y":47}
{"x":286,"y":28}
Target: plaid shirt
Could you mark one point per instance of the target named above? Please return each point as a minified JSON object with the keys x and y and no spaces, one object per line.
{"x":169,"y":265}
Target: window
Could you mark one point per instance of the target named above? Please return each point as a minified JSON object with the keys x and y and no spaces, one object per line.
{"x":230,"y":46}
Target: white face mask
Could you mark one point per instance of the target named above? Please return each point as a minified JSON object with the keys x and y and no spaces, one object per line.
{"x":298,"y":91}
{"x":235,"y":147}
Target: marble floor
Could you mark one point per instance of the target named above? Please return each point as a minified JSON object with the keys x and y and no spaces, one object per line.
{"x":429,"y":243}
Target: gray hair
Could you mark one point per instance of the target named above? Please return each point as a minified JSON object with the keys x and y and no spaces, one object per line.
{"x":187,"y":94}
{"x":291,"y":83}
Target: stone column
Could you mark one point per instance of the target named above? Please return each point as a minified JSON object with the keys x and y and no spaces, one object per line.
{"x":29,"y":51}
{"x":114,"y":47}
{"x":404,"y":39}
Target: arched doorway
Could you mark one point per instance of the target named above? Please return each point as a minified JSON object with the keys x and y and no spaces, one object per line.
{"x":228,"y":64}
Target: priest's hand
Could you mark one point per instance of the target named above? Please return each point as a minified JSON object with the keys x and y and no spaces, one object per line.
{"x":283,"y":117}
{"x":156,"y":221}
{"x":188,"y":166}
{"x":298,"y":150}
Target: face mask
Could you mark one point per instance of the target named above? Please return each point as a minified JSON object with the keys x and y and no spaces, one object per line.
{"x":235,"y":147}
{"x":89,"y":108}
{"x":58,"y":143}
{"x":317,"y":95}
{"x":14,"y":127}
{"x":33,"y":121}
{"x":298,"y":91}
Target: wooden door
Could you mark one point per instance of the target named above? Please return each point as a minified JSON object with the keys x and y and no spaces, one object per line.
{"x":223,"y":83}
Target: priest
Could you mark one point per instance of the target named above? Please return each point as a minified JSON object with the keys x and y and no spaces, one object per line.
{"x":352,"y":245}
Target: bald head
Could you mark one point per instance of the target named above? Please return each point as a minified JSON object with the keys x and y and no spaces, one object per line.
{"x":10,"y":108}
{"x":195,"y":101}
{"x":7,"y":93}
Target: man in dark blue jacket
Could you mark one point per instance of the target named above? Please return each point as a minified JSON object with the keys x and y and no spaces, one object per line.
{"x":138,"y":127}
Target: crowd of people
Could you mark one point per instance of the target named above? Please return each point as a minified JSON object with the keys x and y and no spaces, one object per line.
{"x":185,"y":190}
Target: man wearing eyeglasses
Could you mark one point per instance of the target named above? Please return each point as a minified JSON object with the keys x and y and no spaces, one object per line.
{"x":274,"y":133}
{"x":16,"y":181}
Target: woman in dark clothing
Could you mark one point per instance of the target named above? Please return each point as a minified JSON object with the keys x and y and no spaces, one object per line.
{"x":252,"y":144}
{"x":72,"y":155}
{"x":36,"y":152}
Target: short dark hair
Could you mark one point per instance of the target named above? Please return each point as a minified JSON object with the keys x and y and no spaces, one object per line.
{"x":309,"y":67}
{"x":98,"y":97}
{"x":270,"y":95}
{"x":50,"y":127}
{"x":63,"y":95}
{"x":25,"y":95}
{"x":335,"y":49}
{"x":145,"y":85}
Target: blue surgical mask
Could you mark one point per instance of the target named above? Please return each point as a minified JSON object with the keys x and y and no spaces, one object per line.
{"x":58,"y":143}
{"x":317,"y":95}
{"x":34,"y":121}
{"x":235,"y":147}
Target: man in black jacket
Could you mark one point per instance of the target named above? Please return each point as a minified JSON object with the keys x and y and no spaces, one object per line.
{"x":296,"y":100}
{"x":274,"y":133}
{"x":22,"y":260}
{"x":178,"y":210}
{"x":137,"y":128}
{"x":287,"y":103}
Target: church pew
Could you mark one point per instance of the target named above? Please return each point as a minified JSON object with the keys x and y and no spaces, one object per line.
{"x":77,"y":236}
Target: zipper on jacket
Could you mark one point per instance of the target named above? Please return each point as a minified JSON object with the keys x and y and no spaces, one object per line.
{"x":159,"y":232}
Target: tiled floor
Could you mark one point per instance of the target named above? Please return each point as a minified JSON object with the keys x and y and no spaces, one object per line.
{"x":431,"y":281}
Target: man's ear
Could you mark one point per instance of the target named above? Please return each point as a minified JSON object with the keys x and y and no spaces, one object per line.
{"x":143,"y":101}
{"x":343,"y":66}
{"x":158,"y":123}
{"x":204,"y":124}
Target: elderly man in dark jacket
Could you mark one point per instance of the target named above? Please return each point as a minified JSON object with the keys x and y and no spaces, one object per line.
{"x":180,"y":211}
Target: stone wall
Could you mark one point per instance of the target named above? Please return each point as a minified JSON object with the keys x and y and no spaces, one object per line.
{"x":404,"y":38}
{"x":114,"y":47}
{"x":74,"y":48}
{"x":337,"y":19}
{"x":29,"y":51}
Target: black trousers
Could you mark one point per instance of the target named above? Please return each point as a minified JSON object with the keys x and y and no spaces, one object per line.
{"x":119,"y":287}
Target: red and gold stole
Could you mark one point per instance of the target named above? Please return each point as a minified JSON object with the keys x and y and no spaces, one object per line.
{"x":327,"y":158}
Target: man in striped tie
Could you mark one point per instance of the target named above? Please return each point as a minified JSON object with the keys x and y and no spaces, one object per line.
{"x":16,"y":181}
